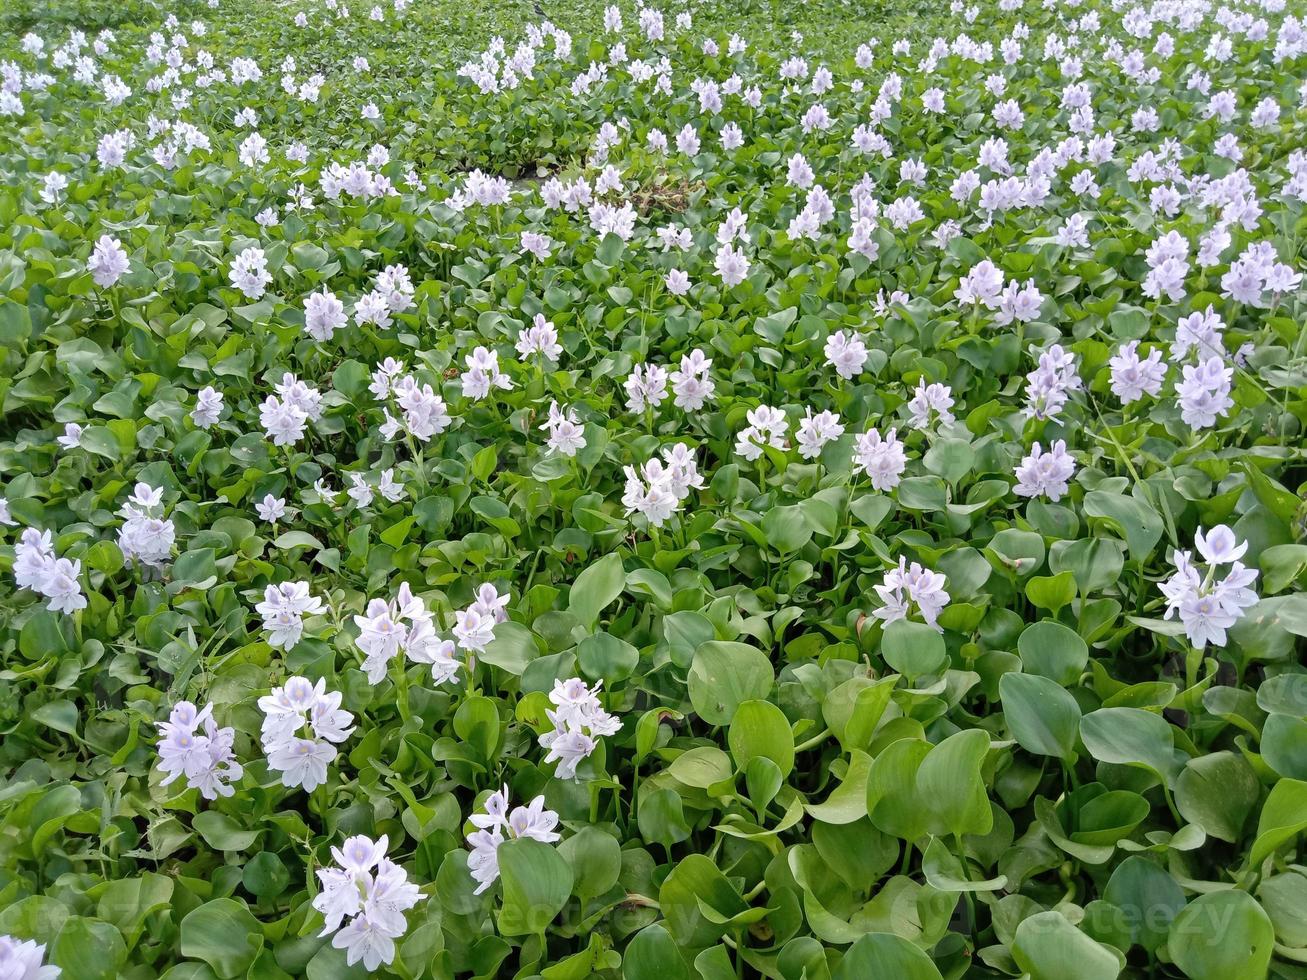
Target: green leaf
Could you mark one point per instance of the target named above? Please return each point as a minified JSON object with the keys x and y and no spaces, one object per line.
{"x":513,"y":647}
{"x":1149,"y":898}
{"x":537,"y":883}
{"x":882,"y":954}
{"x":1132,"y":737}
{"x":950,"y":778}
{"x":605,"y":657}
{"x":1054,"y":651}
{"x":598,"y":585}
{"x":1284,"y":816}
{"x":759,"y":728}
{"x":1051,"y":592}
{"x":944,"y":870}
{"x":1217,"y":792}
{"x":725,"y":674}
{"x":1223,"y":935}
{"x":1043,"y":717}
{"x":654,"y":955}
{"x":596,"y":860}
{"x":695,"y":898}
{"x":88,"y":949}
{"x":1138,"y":521}
{"x":222,"y":833}
{"x":913,"y":649}
{"x":1048,"y":947}
{"x":223,"y":934}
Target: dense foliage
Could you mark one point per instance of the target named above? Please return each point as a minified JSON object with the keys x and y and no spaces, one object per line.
{"x":652,"y":503}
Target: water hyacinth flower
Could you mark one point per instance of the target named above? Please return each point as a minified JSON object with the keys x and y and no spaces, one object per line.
{"x":692,"y":382}
{"x":302,"y":724}
{"x":36,"y":567}
{"x":767,"y":426}
{"x":498,"y":824}
{"x":883,"y":459}
{"x":566,"y":436}
{"x":283,"y":610}
{"x":404,"y":625}
{"x":1134,"y":377}
{"x":108,"y":262}
{"x":908,"y":588}
{"x":249,"y":273}
{"x":1045,"y":474}
{"x":25,"y":960}
{"x":1206,"y":605}
{"x":192,"y":745}
{"x":208,"y":407}
{"x":145,"y":537}
{"x":363,"y":898}
{"x":579,"y":721}
{"x":659,"y":488}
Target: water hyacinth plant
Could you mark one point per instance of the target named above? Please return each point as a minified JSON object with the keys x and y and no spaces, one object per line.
{"x":666,"y":491}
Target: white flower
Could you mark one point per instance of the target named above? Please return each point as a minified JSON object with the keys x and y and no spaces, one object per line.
{"x":483,"y":374}
{"x":249,"y":273}
{"x":302,"y":721}
{"x":271,"y":509}
{"x":539,"y":338}
{"x":500,"y":824}
{"x":1208,"y":606}
{"x":930,"y":401}
{"x":192,"y":745}
{"x":1045,"y":474}
{"x":108,"y":262}
{"x":473,"y":630}
{"x":23,"y":960}
{"x":767,"y":427}
{"x":1219,"y":546}
{"x":1132,"y":376}
{"x":732,"y":265}
{"x":646,"y":387}
{"x":692,"y":382}
{"x":1204,"y":393}
{"x":208,"y":407}
{"x":372,"y":892}
{"x":324,"y":314}
{"x":145,"y":537}
{"x":904,"y":586}
{"x":566,"y":436}
{"x":883,"y":460}
{"x":283,"y":610}
{"x":283,"y":422}
{"x":846,"y":353}
{"x":815,"y":431}
{"x":579,"y":720}
{"x":72,"y":437}
{"x":660,"y":487}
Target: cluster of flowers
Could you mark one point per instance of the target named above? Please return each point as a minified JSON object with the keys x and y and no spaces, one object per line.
{"x":37,"y":568}
{"x":692,"y":384}
{"x":143,"y":537}
{"x":1208,"y":606}
{"x":302,"y":724}
{"x":406,"y":625}
{"x":422,"y":412}
{"x":206,"y":759}
{"x":283,"y":610}
{"x":499,"y":824}
{"x":658,"y":489}
{"x":579,"y":721}
{"x":911,"y":585}
{"x":285,"y":415}
{"x":373,"y":893}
